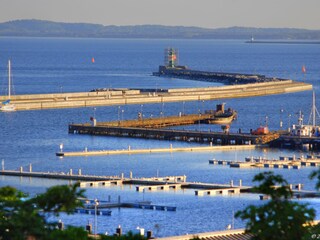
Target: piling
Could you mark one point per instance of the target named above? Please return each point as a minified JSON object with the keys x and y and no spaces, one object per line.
{"x":89,"y":228}
{"x":60,"y":225}
{"x":149,"y":234}
{"x":119,"y":231}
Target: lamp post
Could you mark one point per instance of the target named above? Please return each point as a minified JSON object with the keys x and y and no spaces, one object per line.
{"x":289,"y":122}
{"x":202,"y":110}
{"x":281,"y":111}
{"x":122,"y":111}
{"x":96,"y":203}
{"x":141,"y":111}
{"x":266,"y":121}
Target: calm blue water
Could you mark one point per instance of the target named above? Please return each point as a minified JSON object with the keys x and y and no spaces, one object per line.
{"x":64,"y":65}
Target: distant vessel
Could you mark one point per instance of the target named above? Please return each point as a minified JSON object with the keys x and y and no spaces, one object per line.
{"x":221,"y":116}
{"x":7,"y":106}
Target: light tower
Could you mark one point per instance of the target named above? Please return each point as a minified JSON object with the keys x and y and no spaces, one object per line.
{"x":171,"y":57}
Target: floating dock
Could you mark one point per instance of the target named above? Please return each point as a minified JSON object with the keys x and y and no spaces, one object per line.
{"x":283,"y":162}
{"x":160,"y":183}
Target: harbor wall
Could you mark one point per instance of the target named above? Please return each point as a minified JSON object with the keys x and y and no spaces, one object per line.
{"x":121,"y":97}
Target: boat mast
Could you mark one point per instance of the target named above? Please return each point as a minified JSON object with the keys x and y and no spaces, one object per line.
{"x":313,"y":109}
{"x":9,"y":79}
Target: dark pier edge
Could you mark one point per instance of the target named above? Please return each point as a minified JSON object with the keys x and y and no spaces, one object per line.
{"x":220,"y":77}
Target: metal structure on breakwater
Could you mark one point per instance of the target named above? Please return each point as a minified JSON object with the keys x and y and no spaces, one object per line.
{"x":171,"y":68}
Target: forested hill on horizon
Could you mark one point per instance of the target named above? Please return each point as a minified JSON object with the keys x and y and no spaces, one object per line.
{"x":40,"y":28}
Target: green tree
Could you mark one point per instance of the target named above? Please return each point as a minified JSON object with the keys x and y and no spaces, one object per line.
{"x":22,"y":217}
{"x":316,"y":174}
{"x":280,"y":218}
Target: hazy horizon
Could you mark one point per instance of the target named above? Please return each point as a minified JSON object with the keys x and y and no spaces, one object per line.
{"x":203,"y":13}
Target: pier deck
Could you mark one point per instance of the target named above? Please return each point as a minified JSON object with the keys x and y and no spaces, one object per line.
{"x":153,"y":150}
{"x":217,"y":138}
{"x":173,"y":182}
{"x":122,"y":97}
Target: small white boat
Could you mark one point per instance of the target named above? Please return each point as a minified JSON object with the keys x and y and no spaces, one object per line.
{"x":7,"y":106}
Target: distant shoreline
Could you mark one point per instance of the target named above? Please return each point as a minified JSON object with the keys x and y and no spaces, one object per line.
{"x":42,"y":28}
{"x":283,"y":42}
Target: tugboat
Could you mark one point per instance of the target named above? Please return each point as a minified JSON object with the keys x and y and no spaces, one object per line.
{"x":221,"y":116}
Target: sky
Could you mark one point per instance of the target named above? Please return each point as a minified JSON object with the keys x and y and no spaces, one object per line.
{"x":199,"y":13}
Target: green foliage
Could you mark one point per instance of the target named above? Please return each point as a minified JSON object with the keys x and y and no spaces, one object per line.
{"x":60,"y":198}
{"x":22,"y":218}
{"x":280,"y":218}
{"x":273,"y":185}
{"x":70,"y":233}
{"x":316,"y":174}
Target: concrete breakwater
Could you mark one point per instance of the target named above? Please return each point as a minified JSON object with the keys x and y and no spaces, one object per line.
{"x":223,"y":77}
{"x":135,"y":96}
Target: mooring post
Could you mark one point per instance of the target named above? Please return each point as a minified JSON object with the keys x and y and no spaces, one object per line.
{"x":60,"y":225}
{"x":119,"y":231}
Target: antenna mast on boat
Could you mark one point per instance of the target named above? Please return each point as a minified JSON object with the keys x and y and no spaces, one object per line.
{"x":314,"y":110}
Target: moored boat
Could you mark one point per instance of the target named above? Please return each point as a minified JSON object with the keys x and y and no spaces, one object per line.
{"x":221,"y":116}
{"x":7,"y":106}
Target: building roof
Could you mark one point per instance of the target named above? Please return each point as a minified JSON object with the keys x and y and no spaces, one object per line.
{"x":237,"y":234}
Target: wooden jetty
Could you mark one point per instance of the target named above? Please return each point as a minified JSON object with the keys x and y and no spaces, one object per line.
{"x":111,"y":97}
{"x":217,"y":138}
{"x":294,"y":142}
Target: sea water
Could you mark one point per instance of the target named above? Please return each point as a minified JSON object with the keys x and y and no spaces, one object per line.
{"x":53,"y":65}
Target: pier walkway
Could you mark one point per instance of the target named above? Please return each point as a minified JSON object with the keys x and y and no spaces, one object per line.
{"x":283,"y":162}
{"x":118,"y":97}
{"x":152,"y":184}
{"x":217,"y":138}
{"x":154,"y":150}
